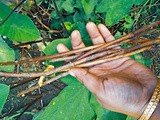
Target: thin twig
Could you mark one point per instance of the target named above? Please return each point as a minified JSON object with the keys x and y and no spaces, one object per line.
{"x":50,"y":56}
{"x":54,"y":31}
{"x":103,"y":60}
{"x":137,"y":8}
{"x":44,"y":83}
{"x":60,"y":16}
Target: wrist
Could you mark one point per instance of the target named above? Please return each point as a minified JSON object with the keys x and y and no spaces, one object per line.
{"x":152,"y":110}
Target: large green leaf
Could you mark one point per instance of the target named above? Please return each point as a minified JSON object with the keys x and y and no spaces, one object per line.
{"x":6,"y":54}
{"x":4,"y":91}
{"x":18,"y":27}
{"x":88,"y":6}
{"x":52,"y":47}
{"x":71,"y":104}
{"x":115,"y":9}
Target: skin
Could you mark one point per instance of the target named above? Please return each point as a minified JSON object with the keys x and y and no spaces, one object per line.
{"x":122,"y":85}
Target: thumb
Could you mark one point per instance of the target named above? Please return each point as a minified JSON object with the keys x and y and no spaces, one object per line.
{"x":88,"y":79}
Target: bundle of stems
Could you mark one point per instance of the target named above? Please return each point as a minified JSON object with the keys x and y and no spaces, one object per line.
{"x":89,"y":56}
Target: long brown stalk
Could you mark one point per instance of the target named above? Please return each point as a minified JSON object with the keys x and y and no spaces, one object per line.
{"x":99,"y":61}
{"x":100,"y":46}
{"x":50,"y":56}
{"x":44,"y":83}
{"x":88,"y":56}
{"x":62,"y":68}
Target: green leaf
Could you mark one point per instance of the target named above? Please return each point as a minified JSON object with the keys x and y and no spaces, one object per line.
{"x":18,"y":27}
{"x":69,"y":80}
{"x":88,"y":6}
{"x":52,"y":48}
{"x":71,"y":104}
{"x":139,"y":58}
{"x":68,"y":25}
{"x":138,"y":2}
{"x":77,"y":17}
{"x":68,"y":6}
{"x":115,"y":9}
{"x":4,"y":91}
{"x":130,"y":118}
{"x":6,"y":54}
{"x":104,"y":114}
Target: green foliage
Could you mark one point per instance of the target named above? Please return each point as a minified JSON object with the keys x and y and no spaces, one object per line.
{"x":71,"y":104}
{"x":6,"y":54}
{"x":18,"y":27}
{"x":145,"y":61}
{"x":4,"y":91}
{"x":99,"y":11}
{"x":88,"y":6}
{"x":115,"y":9}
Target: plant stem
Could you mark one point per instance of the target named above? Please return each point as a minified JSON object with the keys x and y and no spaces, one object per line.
{"x":44,"y":83}
{"x":60,"y":16}
{"x":50,"y":56}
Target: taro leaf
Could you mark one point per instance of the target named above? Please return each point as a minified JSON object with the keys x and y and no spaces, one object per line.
{"x":69,"y":80}
{"x":18,"y":27}
{"x":115,"y":9}
{"x":104,"y":114}
{"x":6,"y":54}
{"x":4,"y":91}
{"x":71,"y":104}
{"x":88,"y":6}
{"x":52,"y":48}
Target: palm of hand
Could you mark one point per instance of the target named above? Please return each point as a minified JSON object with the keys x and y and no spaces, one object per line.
{"x":122,"y":85}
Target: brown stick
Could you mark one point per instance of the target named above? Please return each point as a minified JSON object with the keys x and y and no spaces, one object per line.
{"x":99,"y":61}
{"x":50,"y":56}
{"x":103,"y":60}
{"x":62,"y":68}
{"x":44,"y":83}
{"x":100,"y":46}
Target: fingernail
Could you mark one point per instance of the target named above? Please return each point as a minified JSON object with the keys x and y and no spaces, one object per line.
{"x":72,"y":73}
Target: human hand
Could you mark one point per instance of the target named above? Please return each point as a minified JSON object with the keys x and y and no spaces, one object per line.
{"x":122,"y":85}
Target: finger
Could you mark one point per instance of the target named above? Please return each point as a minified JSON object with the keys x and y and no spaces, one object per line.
{"x":76,"y":40}
{"x":94,"y":33}
{"x":105,"y":33}
{"x":62,"y":48}
{"x":89,"y":80}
